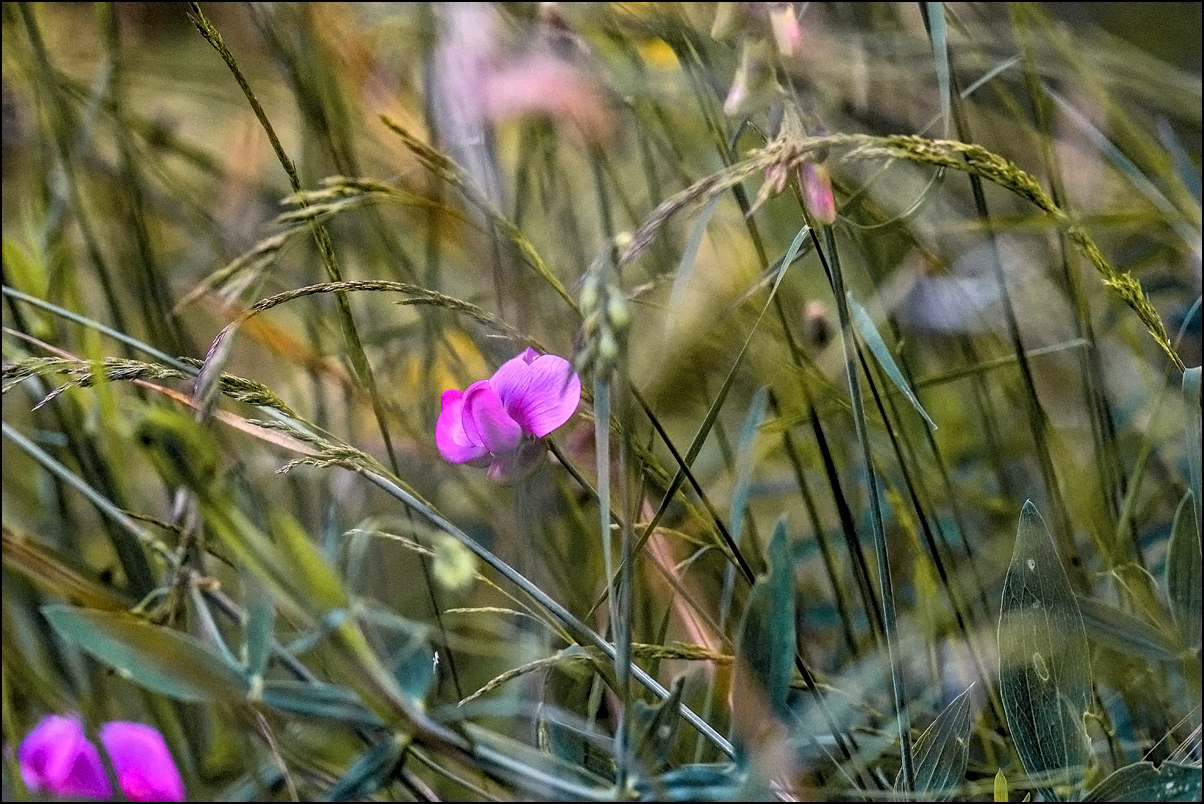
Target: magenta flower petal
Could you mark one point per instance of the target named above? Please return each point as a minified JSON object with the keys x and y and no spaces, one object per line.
{"x":454,"y":444}
{"x":486,"y":420}
{"x":57,"y":758}
{"x":144,"y":767}
{"x":540,"y":392}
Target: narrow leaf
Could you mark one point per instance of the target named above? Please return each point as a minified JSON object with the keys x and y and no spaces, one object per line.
{"x":1142,"y":782}
{"x":745,"y":460}
{"x":370,"y":771}
{"x":318,"y":700}
{"x":940,"y":54}
{"x":258,"y":624}
{"x":700,"y":782}
{"x":942,"y":751}
{"x":686,"y":266}
{"x":165,"y":661}
{"x":869,"y":334}
{"x":1183,"y":572}
{"x":1125,"y":633}
{"x":1044,"y":672}
{"x":765,"y":652}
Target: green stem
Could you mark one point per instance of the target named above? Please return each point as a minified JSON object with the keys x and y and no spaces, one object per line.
{"x":885,"y":587}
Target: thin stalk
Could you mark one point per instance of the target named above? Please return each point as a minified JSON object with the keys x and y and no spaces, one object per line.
{"x":885,"y":587}
{"x":580,"y":630}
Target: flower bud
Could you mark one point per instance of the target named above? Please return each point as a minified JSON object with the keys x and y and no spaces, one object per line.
{"x":786,"y":31}
{"x":817,"y":193}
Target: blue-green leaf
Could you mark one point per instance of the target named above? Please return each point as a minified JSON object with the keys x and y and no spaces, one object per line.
{"x":1142,"y":782}
{"x":1044,"y":670}
{"x":765,"y":651}
{"x":318,"y":700}
{"x":869,"y":333}
{"x":165,"y":661}
{"x":258,"y":624}
{"x":942,"y":751}
{"x":940,"y":54}
{"x":745,"y":459}
{"x":1183,"y":572}
{"x":703,"y":782}
{"x":370,"y":771}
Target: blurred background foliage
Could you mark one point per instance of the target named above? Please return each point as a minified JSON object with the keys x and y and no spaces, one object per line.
{"x":462,"y":169}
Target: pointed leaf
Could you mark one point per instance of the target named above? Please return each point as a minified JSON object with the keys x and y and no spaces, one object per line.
{"x":745,"y":459}
{"x":869,"y":333}
{"x":1044,"y":672}
{"x":654,"y":727}
{"x":1122,"y":631}
{"x":942,"y":751}
{"x":765,"y":652}
{"x":168,"y":662}
{"x":370,"y":771}
{"x":318,"y":700}
{"x":1183,"y":572}
{"x":1142,"y":782}
{"x":258,"y":624}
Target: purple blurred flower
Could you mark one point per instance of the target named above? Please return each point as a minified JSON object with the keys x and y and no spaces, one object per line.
{"x":497,"y":422}
{"x":143,"y":764}
{"x":57,"y":758}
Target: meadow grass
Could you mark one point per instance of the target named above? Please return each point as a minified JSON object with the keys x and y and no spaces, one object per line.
{"x":885,"y":479}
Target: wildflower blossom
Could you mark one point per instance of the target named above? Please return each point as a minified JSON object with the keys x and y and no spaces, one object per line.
{"x":497,"y":422}
{"x":144,"y":768}
{"x":57,"y":758}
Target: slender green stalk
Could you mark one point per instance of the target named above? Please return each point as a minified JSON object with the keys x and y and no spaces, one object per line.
{"x":885,"y":586}
{"x":579,"y":629}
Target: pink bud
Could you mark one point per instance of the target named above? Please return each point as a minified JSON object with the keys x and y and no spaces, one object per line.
{"x":817,"y":193}
{"x":786,"y":30}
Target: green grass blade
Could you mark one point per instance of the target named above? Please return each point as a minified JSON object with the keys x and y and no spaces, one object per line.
{"x":935,"y":13}
{"x":869,"y":334}
{"x":745,"y":459}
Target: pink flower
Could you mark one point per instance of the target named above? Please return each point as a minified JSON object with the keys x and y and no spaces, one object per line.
{"x":497,"y":422}
{"x":142,"y":762}
{"x":57,"y":758}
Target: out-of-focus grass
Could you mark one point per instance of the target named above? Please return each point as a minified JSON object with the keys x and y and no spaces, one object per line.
{"x":1019,"y":238}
